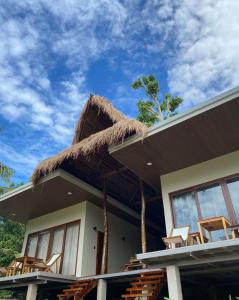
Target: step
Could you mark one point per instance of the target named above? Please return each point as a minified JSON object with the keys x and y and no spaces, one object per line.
{"x":153,"y":272}
{"x":74,"y":289}
{"x":141,"y":289}
{"x":137,"y":295}
{"x":150,"y":277}
{"x":146,"y":282}
{"x":79,"y":284}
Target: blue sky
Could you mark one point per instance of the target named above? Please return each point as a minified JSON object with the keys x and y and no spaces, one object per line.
{"x":54,"y":53}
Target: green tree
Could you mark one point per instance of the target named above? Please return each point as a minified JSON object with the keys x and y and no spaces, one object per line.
{"x":11,"y":234}
{"x":153,"y":109}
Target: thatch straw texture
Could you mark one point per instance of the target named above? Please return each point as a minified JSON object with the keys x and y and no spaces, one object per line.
{"x":103,"y":106}
{"x":90,"y":146}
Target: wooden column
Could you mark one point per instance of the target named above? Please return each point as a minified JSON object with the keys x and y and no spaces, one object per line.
{"x":104,"y":263}
{"x":143,"y":226}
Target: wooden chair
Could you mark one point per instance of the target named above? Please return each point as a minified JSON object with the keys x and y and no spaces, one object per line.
{"x":47,"y":266}
{"x":178,"y":237}
{"x":13,"y":269}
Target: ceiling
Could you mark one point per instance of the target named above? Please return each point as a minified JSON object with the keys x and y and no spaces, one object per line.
{"x":194,"y":139}
{"x":57,"y":191}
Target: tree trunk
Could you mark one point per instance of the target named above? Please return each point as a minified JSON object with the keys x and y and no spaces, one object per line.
{"x":104,"y":262}
{"x":143,"y":226}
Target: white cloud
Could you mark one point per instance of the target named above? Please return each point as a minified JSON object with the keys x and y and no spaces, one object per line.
{"x":206,"y":58}
{"x":197,"y":41}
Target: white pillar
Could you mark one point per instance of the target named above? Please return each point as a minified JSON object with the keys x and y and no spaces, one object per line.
{"x":174,"y":283}
{"x":101,"y":289}
{"x":31,"y":291}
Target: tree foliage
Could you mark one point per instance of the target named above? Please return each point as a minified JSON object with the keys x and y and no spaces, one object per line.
{"x":153,"y":109}
{"x":5,"y":173}
{"x":11,"y":234}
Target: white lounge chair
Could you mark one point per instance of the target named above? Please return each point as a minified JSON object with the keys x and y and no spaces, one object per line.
{"x":178,"y":237}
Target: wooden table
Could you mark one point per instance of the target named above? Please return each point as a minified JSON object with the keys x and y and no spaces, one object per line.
{"x":26,"y":261}
{"x":195,"y":238}
{"x":213,"y":224}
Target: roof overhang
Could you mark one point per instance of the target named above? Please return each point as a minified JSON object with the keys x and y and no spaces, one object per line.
{"x":52,"y":193}
{"x":205,"y":132}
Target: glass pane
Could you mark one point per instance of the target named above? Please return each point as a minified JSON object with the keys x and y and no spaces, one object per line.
{"x":43,"y":245}
{"x":212,"y":204}
{"x":32,"y":246}
{"x":70,"y":251}
{"x":185,"y":211}
{"x":57,"y":241}
{"x":57,"y":244}
{"x":233,"y":186}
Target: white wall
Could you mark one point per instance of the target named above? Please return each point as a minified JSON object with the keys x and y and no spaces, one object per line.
{"x":62,"y":216}
{"x":201,"y":173}
{"x":92,"y":216}
{"x":119,"y":251}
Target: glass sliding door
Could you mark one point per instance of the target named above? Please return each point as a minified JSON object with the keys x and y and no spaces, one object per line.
{"x":185,"y":210}
{"x":62,"y":239}
{"x":233,"y":187}
{"x":71,"y":249}
{"x":212,"y":204}
{"x":31,"y":246}
{"x":42,"y":246}
{"x":220,"y":198}
{"x":57,"y":244}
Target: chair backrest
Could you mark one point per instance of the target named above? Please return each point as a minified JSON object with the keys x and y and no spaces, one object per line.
{"x":53,"y":259}
{"x":182,"y":231}
{"x":18,"y":264}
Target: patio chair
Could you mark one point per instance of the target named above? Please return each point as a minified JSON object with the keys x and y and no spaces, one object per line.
{"x":178,"y":237}
{"x":53,"y":261}
{"x":13,"y":269}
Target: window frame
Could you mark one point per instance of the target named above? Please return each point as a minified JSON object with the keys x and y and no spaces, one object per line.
{"x":51,"y":231}
{"x":222,"y":182}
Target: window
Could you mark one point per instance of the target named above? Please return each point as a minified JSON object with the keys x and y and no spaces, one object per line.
{"x":62,"y":239}
{"x":220,"y":198}
{"x":212,"y":202}
{"x":70,"y":249}
{"x":185,"y":210}
{"x":233,"y":187}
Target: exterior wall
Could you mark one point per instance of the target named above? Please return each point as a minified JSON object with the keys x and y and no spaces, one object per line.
{"x":66,"y":215}
{"x":92,"y":216}
{"x":119,"y":251}
{"x":201,"y":173}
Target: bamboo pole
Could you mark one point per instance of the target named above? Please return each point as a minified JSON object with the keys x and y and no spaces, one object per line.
{"x":143,"y":226}
{"x":104,"y":262}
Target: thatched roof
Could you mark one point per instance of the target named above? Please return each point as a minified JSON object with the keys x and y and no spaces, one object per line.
{"x":99,"y":127}
{"x":97,"y":115}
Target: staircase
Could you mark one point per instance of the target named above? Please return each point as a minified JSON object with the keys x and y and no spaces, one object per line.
{"x":147,"y":285}
{"x":134,"y":264}
{"x":78,"y":290}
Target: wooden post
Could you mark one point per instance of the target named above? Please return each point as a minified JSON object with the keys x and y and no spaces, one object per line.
{"x":143,"y":226}
{"x":104,"y":262}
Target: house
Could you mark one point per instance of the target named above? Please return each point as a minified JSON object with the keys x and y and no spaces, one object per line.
{"x":188,"y":167}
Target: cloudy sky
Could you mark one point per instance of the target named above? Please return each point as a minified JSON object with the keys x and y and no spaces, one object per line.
{"x":54,"y":53}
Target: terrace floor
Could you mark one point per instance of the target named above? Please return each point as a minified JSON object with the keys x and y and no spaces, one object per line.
{"x":219,"y":257}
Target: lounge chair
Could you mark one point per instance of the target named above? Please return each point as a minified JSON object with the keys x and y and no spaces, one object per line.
{"x":178,"y":237}
{"x":53,"y":261}
{"x":13,"y":269}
